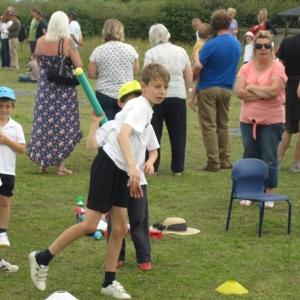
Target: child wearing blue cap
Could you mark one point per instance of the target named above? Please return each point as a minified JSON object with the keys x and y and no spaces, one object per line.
{"x":12,"y":141}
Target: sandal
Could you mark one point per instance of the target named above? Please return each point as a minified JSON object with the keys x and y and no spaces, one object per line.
{"x":64,"y":172}
{"x":245,"y":202}
{"x":43,"y":170}
{"x":269,"y":204}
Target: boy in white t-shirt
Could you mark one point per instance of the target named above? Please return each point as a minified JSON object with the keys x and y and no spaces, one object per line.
{"x":137,"y":208}
{"x":12,"y":141}
{"x":108,"y":190}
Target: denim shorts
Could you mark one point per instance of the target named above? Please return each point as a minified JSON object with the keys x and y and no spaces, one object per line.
{"x":109,"y":105}
{"x":265,"y":147}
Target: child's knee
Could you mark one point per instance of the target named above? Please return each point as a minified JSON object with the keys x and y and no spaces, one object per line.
{"x":120,"y":229}
{"x":89,"y":227}
{"x":4,"y":201}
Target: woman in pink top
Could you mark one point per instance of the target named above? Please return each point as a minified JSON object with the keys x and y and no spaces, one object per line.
{"x":260,"y":84}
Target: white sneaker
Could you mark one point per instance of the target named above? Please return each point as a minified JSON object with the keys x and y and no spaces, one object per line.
{"x":245,"y":203}
{"x":295,"y":168}
{"x":269,"y":204}
{"x":4,"y":242}
{"x":38,"y":273}
{"x":5,"y":266}
{"x":115,"y":290}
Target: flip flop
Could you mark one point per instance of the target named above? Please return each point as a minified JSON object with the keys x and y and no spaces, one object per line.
{"x":63,"y":172}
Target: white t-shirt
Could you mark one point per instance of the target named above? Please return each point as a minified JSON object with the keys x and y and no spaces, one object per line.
{"x":13,"y":131}
{"x":75,"y":29}
{"x":102,"y":137}
{"x":248,"y":53}
{"x":115,"y":61}
{"x":4,"y":26}
{"x":175,"y":59}
{"x":137,"y":113}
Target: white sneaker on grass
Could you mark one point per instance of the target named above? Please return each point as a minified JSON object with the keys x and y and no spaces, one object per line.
{"x":7,"y":267}
{"x":115,"y":290}
{"x":4,"y":242}
{"x":38,"y":273}
{"x":295,"y":168}
{"x":245,"y":202}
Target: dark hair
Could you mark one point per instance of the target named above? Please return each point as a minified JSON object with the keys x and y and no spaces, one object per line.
{"x":220,"y":20}
{"x":35,"y":9}
{"x":4,"y":99}
{"x":155,"y":71}
{"x":38,"y":12}
{"x":124,"y":98}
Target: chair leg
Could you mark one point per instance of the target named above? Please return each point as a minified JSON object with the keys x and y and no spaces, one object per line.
{"x":229,"y":213}
{"x":261,"y":217}
{"x":289,"y":216}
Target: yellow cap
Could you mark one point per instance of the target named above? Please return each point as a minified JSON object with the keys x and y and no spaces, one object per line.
{"x":129,"y":87}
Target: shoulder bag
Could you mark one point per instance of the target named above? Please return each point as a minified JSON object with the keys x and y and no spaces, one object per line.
{"x":62,"y":69}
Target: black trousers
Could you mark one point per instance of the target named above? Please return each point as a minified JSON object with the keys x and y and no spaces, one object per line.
{"x":173,"y":112}
{"x":139,"y":228}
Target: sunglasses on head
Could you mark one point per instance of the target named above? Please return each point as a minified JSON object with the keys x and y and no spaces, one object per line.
{"x":260,"y":46}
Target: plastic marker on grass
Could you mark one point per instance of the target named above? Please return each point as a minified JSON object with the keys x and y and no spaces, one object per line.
{"x":90,"y":93}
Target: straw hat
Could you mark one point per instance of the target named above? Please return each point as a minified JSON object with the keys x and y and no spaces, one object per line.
{"x":175,"y":226}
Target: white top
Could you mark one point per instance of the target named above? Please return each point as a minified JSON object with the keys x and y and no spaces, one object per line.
{"x":197,"y":36}
{"x":102,"y":137}
{"x":248,"y":53}
{"x":137,"y":113}
{"x":75,"y":29}
{"x":14,"y":131}
{"x":115,"y":61}
{"x":4,"y":31}
{"x":175,"y":59}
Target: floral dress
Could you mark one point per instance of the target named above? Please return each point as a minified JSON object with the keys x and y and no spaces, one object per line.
{"x":56,"y":127}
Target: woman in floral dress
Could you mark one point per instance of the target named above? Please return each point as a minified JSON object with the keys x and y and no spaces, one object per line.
{"x":56,"y":127}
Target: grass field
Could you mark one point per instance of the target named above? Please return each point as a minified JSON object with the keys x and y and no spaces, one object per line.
{"x":184,"y":267}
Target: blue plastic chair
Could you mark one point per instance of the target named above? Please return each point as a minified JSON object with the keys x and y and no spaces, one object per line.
{"x":249,"y":179}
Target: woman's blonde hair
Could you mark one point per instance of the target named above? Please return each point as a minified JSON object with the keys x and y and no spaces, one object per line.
{"x":158,"y":34}
{"x":113,"y":30}
{"x":231,"y":10}
{"x":265,"y":15}
{"x":58,"y":27}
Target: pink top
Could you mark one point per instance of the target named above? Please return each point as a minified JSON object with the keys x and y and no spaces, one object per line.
{"x":263,"y":112}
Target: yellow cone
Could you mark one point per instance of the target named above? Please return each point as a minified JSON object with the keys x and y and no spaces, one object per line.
{"x":231,"y":287}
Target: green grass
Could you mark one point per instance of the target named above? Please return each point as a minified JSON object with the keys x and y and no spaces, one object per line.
{"x":184,"y":267}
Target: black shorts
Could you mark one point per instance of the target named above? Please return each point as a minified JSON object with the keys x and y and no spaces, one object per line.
{"x":8,"y":184}
{"x":292,"y":126}
{"x":108,"y":184}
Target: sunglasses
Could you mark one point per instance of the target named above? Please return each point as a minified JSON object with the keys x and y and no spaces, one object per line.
{"x":260,"y":46}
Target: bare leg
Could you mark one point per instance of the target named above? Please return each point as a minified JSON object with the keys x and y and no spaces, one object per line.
{"x":297,"y":153}
{"x":62,"y":170}
{"x":4,"y":211}
{"x":73,"y":233}
{"x":119,"y":229}
{"x":285,"y":142}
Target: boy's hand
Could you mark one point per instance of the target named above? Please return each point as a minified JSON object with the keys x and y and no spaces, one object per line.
{"x":134,"y":183}
{"x":3,"y":139}
{"x":95,"y":118}
{"x":148,"y":168}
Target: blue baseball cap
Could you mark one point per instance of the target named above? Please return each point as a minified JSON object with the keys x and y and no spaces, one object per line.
{"x":5,"y":92}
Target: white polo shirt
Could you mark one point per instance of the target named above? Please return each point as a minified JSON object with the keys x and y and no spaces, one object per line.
{"x":13,"y":131}
{"x":75,"y":29}
{"x":102,"y":137}
{"x":137,"y":113}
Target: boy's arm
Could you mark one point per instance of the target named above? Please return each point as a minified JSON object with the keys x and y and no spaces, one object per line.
{"x":148,"y":166}
{"x":4,"y":140}
{"x":91,"y":140}
{"x":134,"y":176}
{"x":298,"y":90}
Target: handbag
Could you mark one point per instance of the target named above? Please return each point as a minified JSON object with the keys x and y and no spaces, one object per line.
{"x":62,"y":69}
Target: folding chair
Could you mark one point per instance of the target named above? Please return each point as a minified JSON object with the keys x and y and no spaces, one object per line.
{"x":249,"y":180}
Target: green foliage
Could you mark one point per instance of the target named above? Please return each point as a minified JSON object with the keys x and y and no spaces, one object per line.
{"x":138,"y":15}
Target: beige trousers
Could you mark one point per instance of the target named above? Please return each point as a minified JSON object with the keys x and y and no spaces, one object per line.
{"x":13,"y":52}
